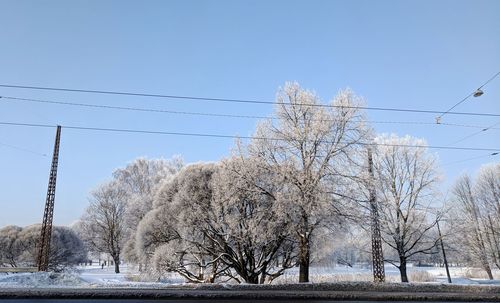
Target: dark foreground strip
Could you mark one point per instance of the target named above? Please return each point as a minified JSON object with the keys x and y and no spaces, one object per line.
{"x":490,"y":295}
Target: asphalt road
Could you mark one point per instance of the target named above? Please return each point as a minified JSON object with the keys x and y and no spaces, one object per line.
{"x":361,"y":292}
{"x":194,"y":301}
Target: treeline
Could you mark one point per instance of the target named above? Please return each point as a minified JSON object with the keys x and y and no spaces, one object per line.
{"x":285,"y":198}
{"x":19,"y":247}
{"x":270,"y":205}
{"x":297,"y":193}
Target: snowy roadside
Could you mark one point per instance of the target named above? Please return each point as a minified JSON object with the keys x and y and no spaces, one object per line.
{"x":85,"y":277}
{"x":341,"y":277}
{"x":100,"y":283}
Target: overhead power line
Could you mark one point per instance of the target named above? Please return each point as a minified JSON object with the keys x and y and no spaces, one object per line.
{"x":470,"y":159}
{"x":467,"y":97}
{"x":22,"y":149}
{"x":138,"y":131}
{"x":476,"y":133}
{"x":407,"y":110}
{"x":153,"y":110}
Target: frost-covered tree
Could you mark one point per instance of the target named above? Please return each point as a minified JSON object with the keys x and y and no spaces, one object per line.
{"x":220,"y":220}
{"x":476,"y":215}
{"x":350,"y":246}
{"x":469,"y":223}
{"x":307,"y":144}
{"x":487,"y":190}
{"x":406,"y":178}
{"x":170,"y":234}
{"x":103,"y":223}
{"x":9,"y":245}
{"x":252,"y":204}
{"x":66,"y":248}
{"x":141,"y":179}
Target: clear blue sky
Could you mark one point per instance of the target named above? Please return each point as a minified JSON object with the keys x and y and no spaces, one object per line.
{"x":410,"y":54}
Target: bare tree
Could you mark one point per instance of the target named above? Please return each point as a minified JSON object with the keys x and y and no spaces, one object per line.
{"x":141,"y":179}
{"x":406,"y":177}
{"x":306,"y":144}
{"x":487,"y":190}
{"x":103,"y":223}
{"x":476,"y":216}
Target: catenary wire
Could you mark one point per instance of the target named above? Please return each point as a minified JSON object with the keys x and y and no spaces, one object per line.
{"x":243,"y":100}
{"x":476,"y":133}
{"x":23,"y":149}
{"x":470,"y":159}
{"x":141,"y":109}
{"x":138,"y":131}
{"x":467,"y":97}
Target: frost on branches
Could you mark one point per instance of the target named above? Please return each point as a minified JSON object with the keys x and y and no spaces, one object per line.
{"x":102,"y":225}
{"x":216,"y":222}
{"x":406,"y":179}
{"x":19,"y":247}
{"x":116,"y":208}
{"x":476,"y":216}
{"x":308,"y":145}
{"x":141,"y":179}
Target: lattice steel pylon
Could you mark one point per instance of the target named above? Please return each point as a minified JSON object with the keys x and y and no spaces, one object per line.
{"x":48,"y":214}
{"x":377,"y":253}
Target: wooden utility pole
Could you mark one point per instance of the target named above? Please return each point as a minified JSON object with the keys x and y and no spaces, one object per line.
{"x":377,"y":253}
{"x":48,"y":214}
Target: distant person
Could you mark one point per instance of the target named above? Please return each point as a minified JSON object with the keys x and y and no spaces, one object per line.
{"x":102,"y":265}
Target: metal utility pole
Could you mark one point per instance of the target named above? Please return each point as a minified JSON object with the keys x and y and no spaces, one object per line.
{"x":444,"y":253}
{"x":377,"y":253}
{"x":48,"y":214}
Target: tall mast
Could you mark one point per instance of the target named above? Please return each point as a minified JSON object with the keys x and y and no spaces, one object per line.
{"x":48,"y":214}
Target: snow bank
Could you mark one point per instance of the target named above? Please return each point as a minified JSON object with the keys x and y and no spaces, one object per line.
{"x":42,"y":280}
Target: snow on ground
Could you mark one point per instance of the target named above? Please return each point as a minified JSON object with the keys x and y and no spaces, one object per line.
{"x":97,"y":277}
{"x":42,"y":279}
{"x":128,"y":277}
{"x":84,"y":277}
{"x":342,"y":273}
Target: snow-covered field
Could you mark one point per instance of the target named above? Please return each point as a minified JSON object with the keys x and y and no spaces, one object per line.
{"x":340,"y":273}
{"x":95,"y":277}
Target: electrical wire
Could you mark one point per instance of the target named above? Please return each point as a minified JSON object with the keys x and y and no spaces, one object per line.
{"x":243,"y":100}
{"x":136,"y":131}
{"x":476,"y":133}
{"x":470,"y":159}
{"x":467,"y":97}
{"x":23,"y":149}
{"x":141,"y":109}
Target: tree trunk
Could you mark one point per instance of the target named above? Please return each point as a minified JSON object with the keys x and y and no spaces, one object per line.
{"x":116,"y":260}
{"x":304,"y":260}
{"x":252,"y":279}
{"x":487,"y":268}
{"x":263,"y":276}
{"x":402,"y":269}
